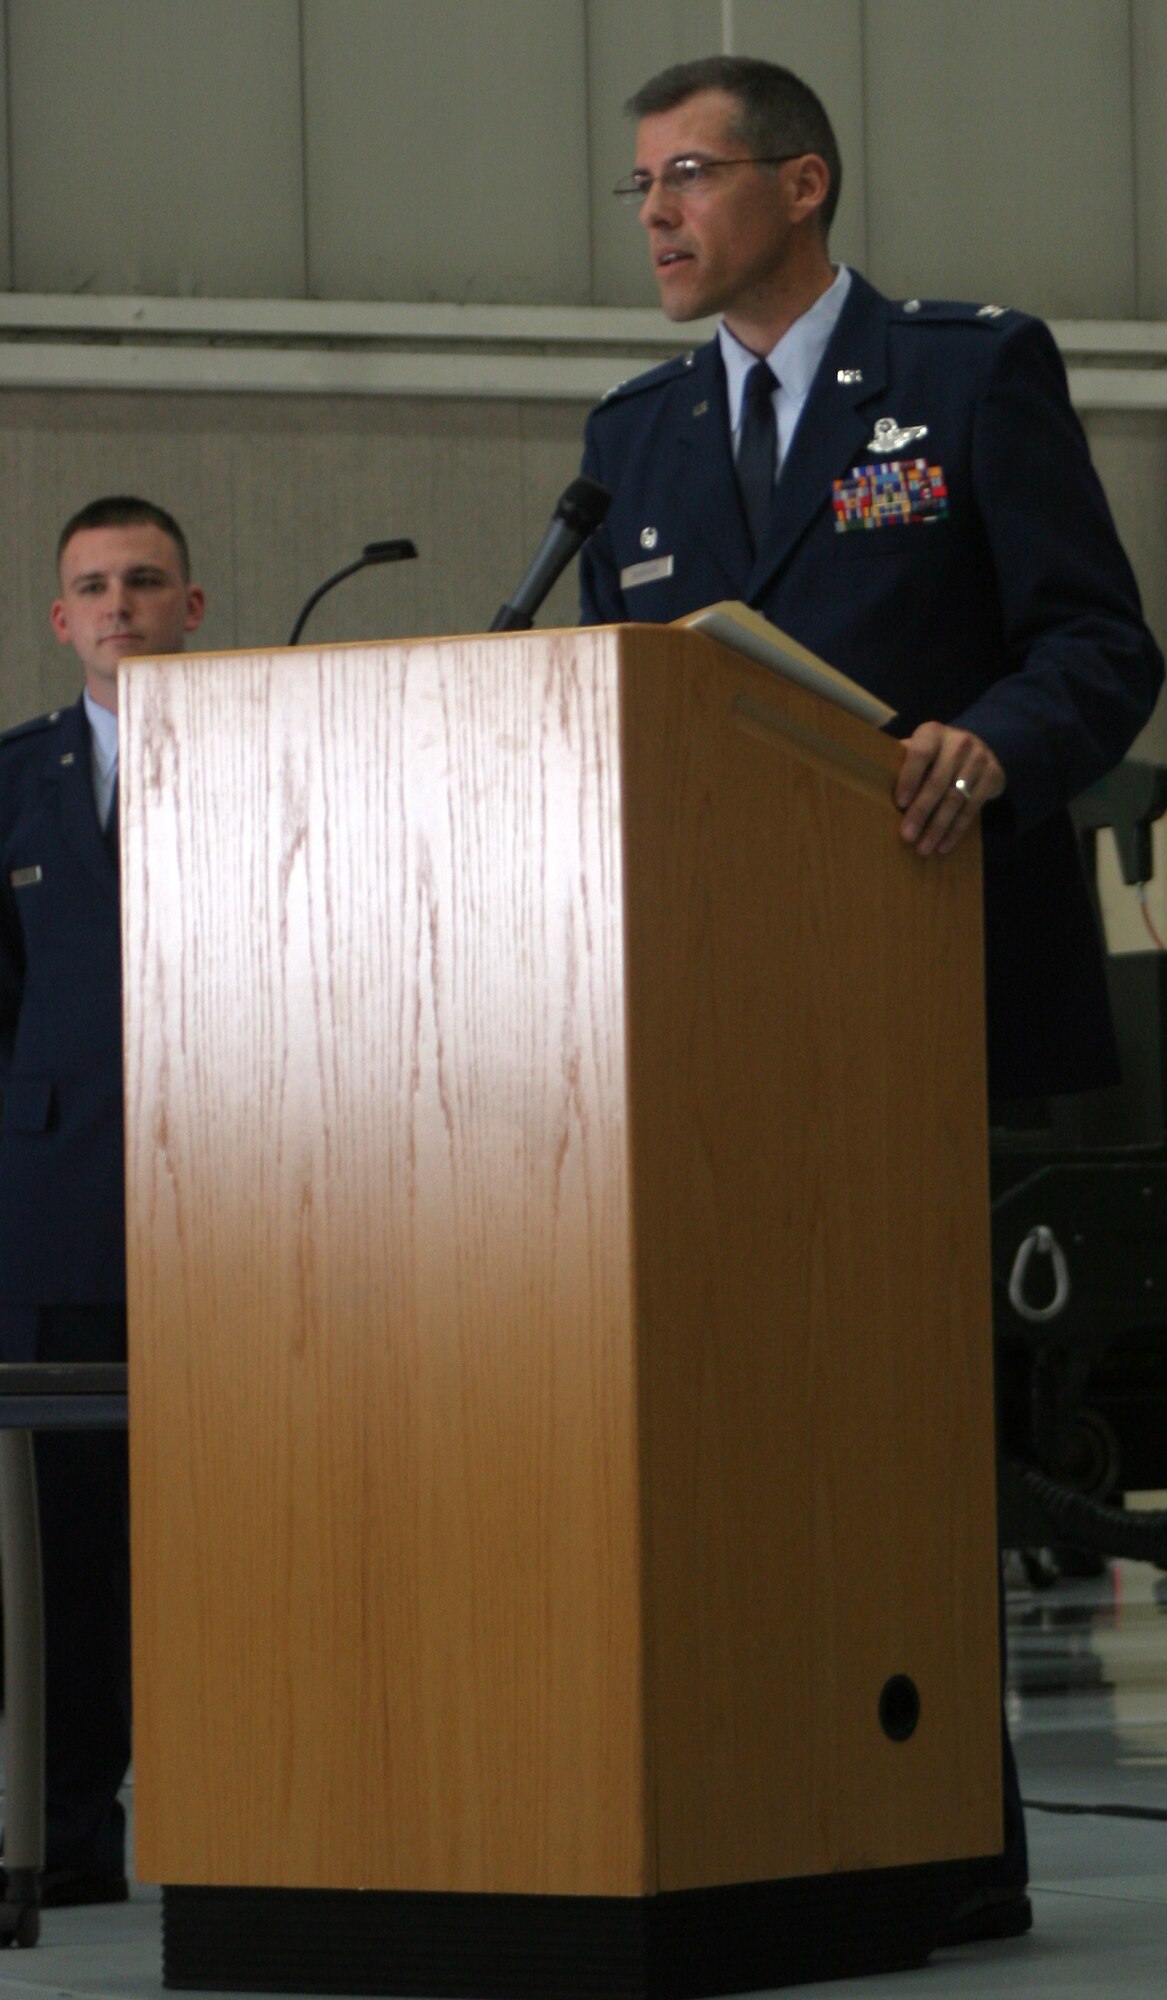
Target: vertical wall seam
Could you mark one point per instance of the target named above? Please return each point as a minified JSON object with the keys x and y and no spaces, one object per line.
{"x":1132,"y":65}
{"x":305,"y":236}
{"x":865,"y":142}
{"x":9,"y":150}
{"x":585,"y":17}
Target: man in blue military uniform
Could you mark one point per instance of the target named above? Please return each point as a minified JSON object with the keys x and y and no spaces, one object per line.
{"x":905,"y":489}
{"x":924,"y":516}
{"x":125,"y":590}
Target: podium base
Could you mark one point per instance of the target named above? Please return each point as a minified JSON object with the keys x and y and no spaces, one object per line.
{"x":667,"y":1947}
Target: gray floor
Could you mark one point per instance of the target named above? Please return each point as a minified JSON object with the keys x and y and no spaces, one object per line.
{"x":1088,"y":1709}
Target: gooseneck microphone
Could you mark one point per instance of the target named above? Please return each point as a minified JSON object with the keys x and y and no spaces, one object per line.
{"x":578,"y":514}
{"x":373,"y":552}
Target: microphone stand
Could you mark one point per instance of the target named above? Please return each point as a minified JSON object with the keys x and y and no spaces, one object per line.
{"x":373,"y":552}
{"x":578,"y":514}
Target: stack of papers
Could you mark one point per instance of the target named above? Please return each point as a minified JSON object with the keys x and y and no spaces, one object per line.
{"x":746,"y":631}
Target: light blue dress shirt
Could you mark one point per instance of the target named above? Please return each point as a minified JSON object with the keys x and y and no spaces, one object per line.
{"x":103,"y":743}
{"x":795,"y":360}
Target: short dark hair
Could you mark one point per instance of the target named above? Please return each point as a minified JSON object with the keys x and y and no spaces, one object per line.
{"x":777,"y":111}
{"x":125,"y":510}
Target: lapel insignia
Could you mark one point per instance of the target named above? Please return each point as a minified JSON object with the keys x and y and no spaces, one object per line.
{"x":890,"y":436}
{"x":648,"y":538}
{"x":848,"y":375}
{"x":894,"y":494}
{"x":700,"y":409}
{"x":68,"y":757}
{"x":991,"y":312}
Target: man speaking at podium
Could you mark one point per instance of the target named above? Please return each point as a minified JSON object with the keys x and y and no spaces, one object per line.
{"x":904,"y":488}
{"x":908,"y":493}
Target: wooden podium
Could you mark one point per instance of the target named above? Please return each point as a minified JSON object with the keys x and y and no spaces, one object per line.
{"x":560,"y":1352}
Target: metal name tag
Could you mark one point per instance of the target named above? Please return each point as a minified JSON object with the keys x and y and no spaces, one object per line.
{"x":646,"y":572}
{"x":23,"y":878}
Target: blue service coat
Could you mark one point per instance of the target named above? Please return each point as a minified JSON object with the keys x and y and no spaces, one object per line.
{"x":62,"y":1165}
{"x":993,"y":594}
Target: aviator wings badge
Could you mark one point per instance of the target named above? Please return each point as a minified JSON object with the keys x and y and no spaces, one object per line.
{"x":890,"y":436}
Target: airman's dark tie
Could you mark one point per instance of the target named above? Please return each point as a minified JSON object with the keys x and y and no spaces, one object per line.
{"x":758,"y":448}
{"x":111,"y":822}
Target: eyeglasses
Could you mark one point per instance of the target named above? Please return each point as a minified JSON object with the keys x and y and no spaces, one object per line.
{"x":689,"y":173}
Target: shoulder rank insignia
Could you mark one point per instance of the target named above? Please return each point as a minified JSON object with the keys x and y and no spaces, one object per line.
{"x":31,"y":728}
{"x":652,"y":378}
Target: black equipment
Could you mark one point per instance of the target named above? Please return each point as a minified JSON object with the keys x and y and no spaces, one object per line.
{"x":402,"y":550}
{"x":1080,"y":1254}
{"x":577,"y":515}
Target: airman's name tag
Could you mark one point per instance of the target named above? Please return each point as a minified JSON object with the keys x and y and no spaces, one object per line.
{"x":23,"y":878}
{"x":646,"y":572}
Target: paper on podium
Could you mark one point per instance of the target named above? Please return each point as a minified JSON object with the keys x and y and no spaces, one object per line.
{"x":746,"y":631}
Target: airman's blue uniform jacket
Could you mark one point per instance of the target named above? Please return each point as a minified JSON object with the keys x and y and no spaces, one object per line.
{"x":62,"y":1198}
{"x":991,"y":592}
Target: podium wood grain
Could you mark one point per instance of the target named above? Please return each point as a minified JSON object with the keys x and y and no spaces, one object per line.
{"x":560,"y":1342}
{"x":806,"y":1051}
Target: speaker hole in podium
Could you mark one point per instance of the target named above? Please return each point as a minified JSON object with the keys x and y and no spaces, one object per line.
{"x":899,"y":1708}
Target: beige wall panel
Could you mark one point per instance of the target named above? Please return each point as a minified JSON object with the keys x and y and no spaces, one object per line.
{"x":1000,"y":152}
{"x":446,"y":150}
{"x":275,"y":493}
{"x":630,"y":40}
{"x":156,"y":149}
{"x":825,"y":47}
{"x":1149,"y":69}
{"x":1130,"y":451}
{"x":472,"y":483}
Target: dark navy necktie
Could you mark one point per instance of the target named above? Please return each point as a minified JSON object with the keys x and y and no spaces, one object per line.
{"x":758,"y":448}
{"x":111,"y":823}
